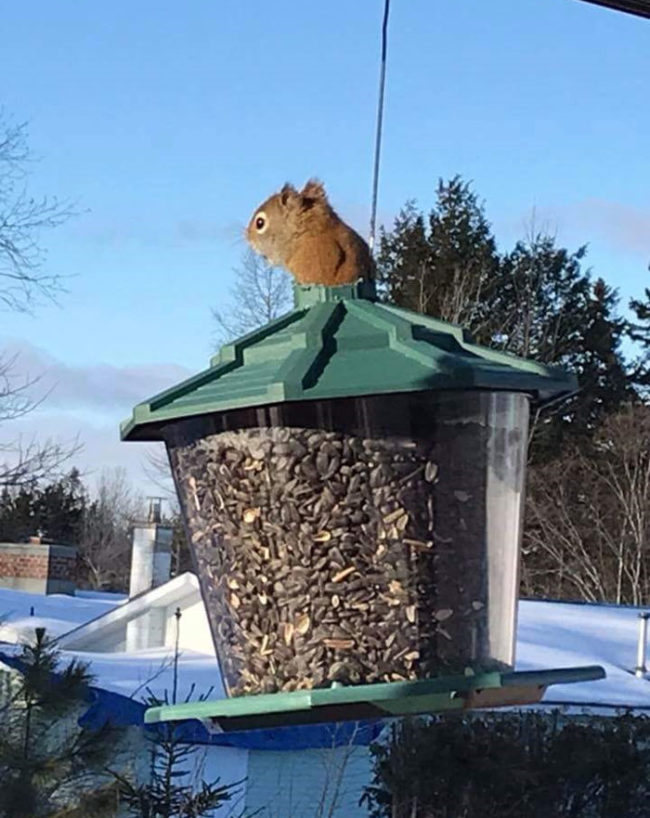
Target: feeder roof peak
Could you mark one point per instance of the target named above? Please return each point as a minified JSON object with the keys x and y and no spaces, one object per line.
{"x":341,"y":342}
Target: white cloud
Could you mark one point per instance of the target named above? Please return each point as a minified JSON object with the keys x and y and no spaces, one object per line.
{"x":101,"y":446}
{"x":623,"y":226}
{"x":96,"y":388}
{"x":87,"y":403}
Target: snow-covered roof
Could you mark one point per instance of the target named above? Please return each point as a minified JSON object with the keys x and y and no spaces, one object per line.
{"x":550,"y":635}
{"x":562,"y":634}
{"x":139,"y":674}
{"x":85,"y":617}
{"x":182,"y":590}
{"x":21,"y":612}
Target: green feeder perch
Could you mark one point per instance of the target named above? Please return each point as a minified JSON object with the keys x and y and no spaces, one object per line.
{"x":351,"y":477}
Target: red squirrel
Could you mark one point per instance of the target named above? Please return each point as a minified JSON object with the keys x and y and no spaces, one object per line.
{"x":300,"y":231}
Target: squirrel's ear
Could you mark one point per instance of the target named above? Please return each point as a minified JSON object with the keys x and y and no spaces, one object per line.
{"x":287,"y":193}
{"x":314,"y":190}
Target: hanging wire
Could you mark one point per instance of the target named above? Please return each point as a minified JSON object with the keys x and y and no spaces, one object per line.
{"x":380,"y":116}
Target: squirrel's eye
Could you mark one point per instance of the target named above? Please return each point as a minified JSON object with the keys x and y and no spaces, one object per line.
{"x":260,"y":222}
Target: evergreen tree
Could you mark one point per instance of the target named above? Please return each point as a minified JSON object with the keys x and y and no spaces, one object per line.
{"x":512,"y":764}
{"x":536,"y":301}
{"x":639,"y":333}
{"x":55,"y":510}
{"x":46,"y":760}
{"x":60,"y":507}
{"x":173,"y":789}
{"x":17,"y":514}
{"x":539,"y":298}
{"x":546,"y":307}
{"x":598,"y":362}
{"x":443,"y":264}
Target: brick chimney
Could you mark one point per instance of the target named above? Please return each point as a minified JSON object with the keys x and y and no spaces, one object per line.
{"x":38,"y":567}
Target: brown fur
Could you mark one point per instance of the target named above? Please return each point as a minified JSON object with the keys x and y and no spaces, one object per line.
{"x":304,"y":235}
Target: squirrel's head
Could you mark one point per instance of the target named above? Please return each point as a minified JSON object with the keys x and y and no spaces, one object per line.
{"x":276,"y":221}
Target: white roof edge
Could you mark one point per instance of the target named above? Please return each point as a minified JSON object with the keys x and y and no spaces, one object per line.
{"x":183,"y":585}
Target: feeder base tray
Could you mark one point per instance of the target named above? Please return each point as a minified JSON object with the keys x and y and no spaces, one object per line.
{"x":374,"y":701}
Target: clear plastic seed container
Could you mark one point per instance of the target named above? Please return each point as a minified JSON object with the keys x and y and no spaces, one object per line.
{"x":356,"y":540}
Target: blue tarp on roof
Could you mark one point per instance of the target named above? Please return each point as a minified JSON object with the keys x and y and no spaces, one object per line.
{"x":302,"y":737}
{"x":122,"y":711}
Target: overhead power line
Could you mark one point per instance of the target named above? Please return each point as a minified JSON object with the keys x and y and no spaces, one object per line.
{"x":380,"y":115}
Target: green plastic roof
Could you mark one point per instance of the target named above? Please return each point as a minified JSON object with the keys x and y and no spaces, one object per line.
{"x":438,"y":695}
{"x":341,"y":342}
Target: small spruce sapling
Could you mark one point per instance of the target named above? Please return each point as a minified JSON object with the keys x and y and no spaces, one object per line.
{"x":174,"y":789}
{"x":46,"y":759}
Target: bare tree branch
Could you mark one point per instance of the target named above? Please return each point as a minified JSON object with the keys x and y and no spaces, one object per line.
{"x":23,"y":283}
{"x":588,"y":517}
{"x":23,"y":218}
{"x":22,"y":461}
{"x":157,"y":469}
{"x":260,"y":294}
{"x":105,"y":540}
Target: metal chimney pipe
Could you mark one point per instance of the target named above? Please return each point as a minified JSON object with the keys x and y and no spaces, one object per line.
{"x":640,"y":670}
{"x":151,"y":551}
{"x":155,"y":509}
{"x":150,"y":567}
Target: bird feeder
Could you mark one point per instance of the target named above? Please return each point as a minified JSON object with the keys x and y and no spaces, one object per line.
{"x":351,"y":477}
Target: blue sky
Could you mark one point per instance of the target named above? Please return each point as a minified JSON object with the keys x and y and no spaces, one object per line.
{"x":169,"y":122}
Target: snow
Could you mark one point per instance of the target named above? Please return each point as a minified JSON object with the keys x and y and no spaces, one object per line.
{"x":22,"y":612}
{"x":143,"y":673}
{"x":101,"y":596}
{"x":135,"y":675}
{"x":561,"y":634}
{"x":550,"y":635}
